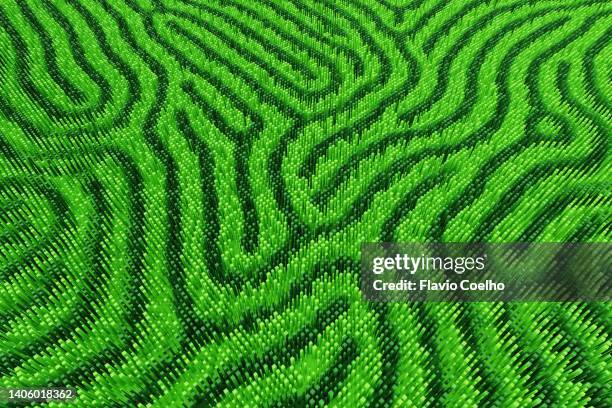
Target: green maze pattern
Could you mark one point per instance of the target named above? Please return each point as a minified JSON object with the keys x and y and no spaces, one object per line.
{"x":184,"y":185}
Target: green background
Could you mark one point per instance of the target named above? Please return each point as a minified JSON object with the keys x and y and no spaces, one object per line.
{"x":185,"y":185}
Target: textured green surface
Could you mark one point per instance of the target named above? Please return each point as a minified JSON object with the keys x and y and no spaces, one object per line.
{"x":184,"y":186}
